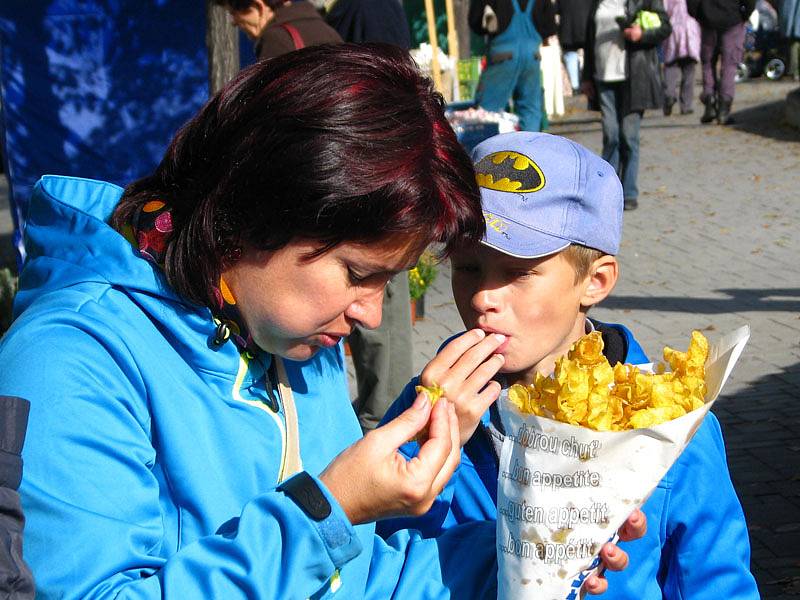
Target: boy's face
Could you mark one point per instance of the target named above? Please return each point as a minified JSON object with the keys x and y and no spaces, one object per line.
{"x":534,"y":302}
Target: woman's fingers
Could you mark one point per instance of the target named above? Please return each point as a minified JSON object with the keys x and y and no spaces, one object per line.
{"x":455,"y":453}
{"x":634,"y":527}
{"x":419,"y":480}
{"x":407,"y":424}
{"x":435,"y":451}
{"x":372,"y":480}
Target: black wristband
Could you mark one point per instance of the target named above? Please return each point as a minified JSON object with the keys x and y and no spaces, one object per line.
{"x":306,"y":493}
{"x":13,"y":424}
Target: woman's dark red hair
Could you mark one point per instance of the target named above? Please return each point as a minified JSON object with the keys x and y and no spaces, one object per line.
{"x":336,"y":143}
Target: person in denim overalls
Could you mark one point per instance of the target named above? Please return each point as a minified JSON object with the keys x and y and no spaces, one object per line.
{"x":513,"y":67}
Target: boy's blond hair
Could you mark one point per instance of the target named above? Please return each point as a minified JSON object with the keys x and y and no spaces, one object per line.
{"x":581,"y":259}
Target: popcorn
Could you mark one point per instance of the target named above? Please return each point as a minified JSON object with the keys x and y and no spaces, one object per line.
{"x":585,"y":390}
{"x":587,"y":445}
{"x":434,"y":392}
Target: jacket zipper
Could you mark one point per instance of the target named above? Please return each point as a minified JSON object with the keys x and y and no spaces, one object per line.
{"x":273,"y":409}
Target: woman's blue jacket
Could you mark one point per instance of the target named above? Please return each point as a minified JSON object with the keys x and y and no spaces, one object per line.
{"x":152,"y":458}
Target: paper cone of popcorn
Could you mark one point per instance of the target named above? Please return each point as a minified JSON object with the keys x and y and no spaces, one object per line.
{"x":564,"y":490}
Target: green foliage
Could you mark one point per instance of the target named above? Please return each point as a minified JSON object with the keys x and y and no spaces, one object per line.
{"x":469,"y":71}
{"x":421,"y":276}
{"x":418,"y":22}
{"x":8,"y":287}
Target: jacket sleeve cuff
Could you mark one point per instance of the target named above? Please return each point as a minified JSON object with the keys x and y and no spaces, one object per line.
{"x":323,"y":510}
{"x":13,"y":425}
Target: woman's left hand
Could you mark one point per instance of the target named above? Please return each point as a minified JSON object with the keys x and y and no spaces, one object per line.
{"x":614,"y":558}
{"x":633,"y":33}
{"x":371,"y":480}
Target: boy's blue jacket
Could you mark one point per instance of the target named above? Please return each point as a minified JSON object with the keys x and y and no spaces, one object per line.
{"x":152,"y":459}
{"x":696,"y":545}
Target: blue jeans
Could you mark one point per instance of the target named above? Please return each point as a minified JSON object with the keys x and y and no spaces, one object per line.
{"x":573,"y":68}
{"x":620,"y":136}
{"x":518,"y":78}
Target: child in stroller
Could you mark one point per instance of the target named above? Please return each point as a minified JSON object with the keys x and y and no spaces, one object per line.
{"x":765,"y":50}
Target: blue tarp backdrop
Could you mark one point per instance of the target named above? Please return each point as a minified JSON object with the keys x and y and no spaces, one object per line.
{"x":96,"y":88}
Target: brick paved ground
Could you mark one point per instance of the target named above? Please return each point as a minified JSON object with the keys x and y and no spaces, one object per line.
{"x":714,"y":245}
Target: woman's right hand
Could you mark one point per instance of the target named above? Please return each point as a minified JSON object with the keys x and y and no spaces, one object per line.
{"x":371,"y":480}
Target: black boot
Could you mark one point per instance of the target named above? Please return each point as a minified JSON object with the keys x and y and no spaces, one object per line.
{"x":711,"y":110}
{"x":630,"y":204}
{"x":724,"y":112}
{"x":668,"y":104}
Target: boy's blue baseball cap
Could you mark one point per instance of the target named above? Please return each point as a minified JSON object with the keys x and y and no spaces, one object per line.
{"x":540,"y":193}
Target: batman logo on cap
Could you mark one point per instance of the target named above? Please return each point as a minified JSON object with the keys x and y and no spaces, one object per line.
{"x":509,"y":171}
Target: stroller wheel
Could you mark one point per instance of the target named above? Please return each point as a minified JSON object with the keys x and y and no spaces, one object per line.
{"x":775,"y":69}
{"x":742,"y":72}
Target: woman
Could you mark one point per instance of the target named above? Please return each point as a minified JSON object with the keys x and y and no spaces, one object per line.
{"x":722,"y":31}
{"x":280,"y":26}
{"x":681,"y":55}
{"x":190,"y":429}
{"x":621,"y":78}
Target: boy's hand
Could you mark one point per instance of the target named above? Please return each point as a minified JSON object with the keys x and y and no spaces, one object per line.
{"x":464,"y":369}
{"x":612,"y":556}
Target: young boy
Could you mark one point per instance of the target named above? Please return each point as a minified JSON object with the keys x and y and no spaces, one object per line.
{"x":554,"y":219}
